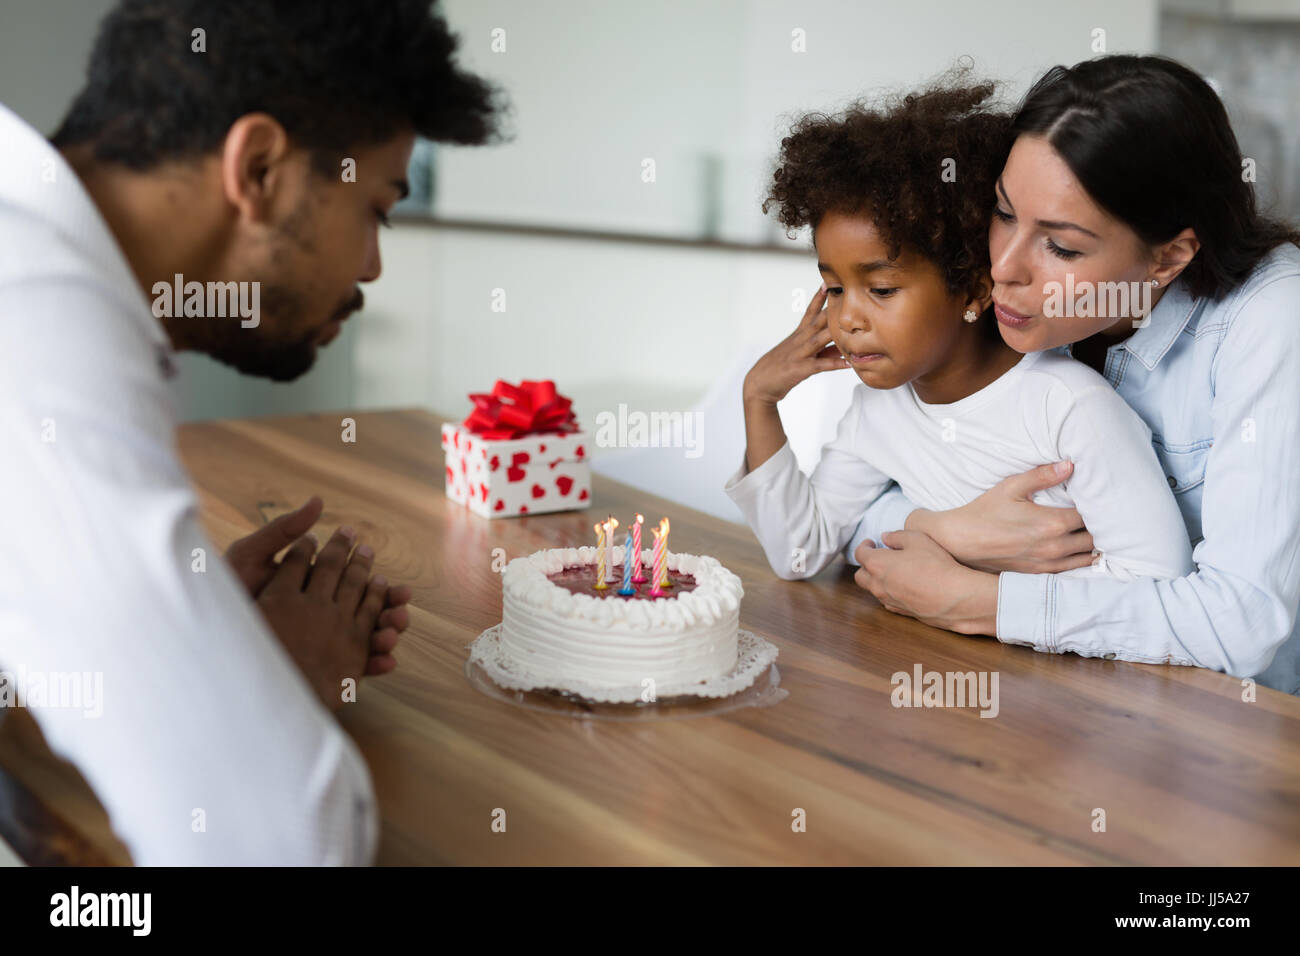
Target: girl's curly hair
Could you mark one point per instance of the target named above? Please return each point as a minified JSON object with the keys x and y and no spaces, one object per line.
{"x":889,"y":162}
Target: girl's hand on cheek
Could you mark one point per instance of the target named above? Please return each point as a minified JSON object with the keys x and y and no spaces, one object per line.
{"x":809,"y":349}
{"x":922,"y":580}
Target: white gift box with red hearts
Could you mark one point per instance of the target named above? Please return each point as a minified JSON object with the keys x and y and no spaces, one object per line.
{"x":507,"y":478}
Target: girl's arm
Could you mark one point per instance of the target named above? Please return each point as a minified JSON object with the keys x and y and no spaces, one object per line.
{"x":1119,"y":487}
{"x":889,"y":512}
{"x":801,"y":522}
{"x":806,"y":351}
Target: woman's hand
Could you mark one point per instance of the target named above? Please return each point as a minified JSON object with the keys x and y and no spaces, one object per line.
{"x":916,"y":577}
{"x":1004,"y":530}
{"x":803,"y":353}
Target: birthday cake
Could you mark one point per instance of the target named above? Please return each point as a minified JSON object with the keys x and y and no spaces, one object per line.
{"x":564,"y":632}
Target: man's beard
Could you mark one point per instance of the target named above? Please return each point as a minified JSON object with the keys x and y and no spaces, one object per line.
{"x":257,"y":350}
{"x":281,"y":363}
{"x":252,"y":352}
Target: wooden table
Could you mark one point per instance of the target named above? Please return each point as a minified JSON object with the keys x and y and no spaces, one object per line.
{"x":1186,"y":772}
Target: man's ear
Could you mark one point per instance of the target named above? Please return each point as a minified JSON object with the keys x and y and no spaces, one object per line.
{"x":253,"y":164}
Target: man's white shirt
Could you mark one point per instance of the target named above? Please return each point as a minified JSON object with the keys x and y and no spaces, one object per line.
{"x":209,"y":746}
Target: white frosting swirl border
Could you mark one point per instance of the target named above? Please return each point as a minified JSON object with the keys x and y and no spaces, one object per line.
{"x":715,"y":598}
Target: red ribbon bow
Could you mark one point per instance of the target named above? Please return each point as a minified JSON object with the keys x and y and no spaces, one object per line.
{"x":512,"y":411}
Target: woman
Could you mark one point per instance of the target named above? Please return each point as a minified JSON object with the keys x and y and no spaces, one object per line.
{"x":1126,"y":170}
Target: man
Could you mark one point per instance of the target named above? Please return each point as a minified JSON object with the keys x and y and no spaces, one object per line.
{"x":253,"y":149}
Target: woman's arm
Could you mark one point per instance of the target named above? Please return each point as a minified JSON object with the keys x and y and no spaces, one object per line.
{"x":1001,"y":530}
{"x":1239,"y":606}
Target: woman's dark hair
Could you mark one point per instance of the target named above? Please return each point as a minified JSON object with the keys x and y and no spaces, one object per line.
{"x":335,"y":75}
{"x":889,"y":163}
{"x":1150,"y":142}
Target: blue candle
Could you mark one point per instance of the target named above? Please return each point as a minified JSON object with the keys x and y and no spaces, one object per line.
{"x":627,"y":590}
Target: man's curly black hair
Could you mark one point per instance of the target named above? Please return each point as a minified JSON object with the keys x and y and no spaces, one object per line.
{"x":888,"y":163}
{"x":336,"y":74}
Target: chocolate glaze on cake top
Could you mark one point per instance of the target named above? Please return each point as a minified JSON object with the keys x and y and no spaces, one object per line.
{"x":580,"y":580}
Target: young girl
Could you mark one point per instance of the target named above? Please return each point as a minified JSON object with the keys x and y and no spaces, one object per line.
{"x":900,"y":200}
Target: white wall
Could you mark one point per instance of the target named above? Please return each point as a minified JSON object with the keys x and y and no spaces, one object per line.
{"x":596,"y":91}
{"x":44,"y":46}
{"x":597,"y":87}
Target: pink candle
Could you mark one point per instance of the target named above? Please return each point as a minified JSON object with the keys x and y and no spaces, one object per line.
{"x":637,"y":576}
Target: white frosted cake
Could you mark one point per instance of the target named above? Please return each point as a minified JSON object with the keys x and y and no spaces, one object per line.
{"x":557,"y":626}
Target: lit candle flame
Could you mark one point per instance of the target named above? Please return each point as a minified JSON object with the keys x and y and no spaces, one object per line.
{"x":610,"y":524}
{"x":638,"y":577}
{"x":659,"y":567}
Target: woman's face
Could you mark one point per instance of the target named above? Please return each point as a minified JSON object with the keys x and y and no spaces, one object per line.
{"x":1050,"y":244}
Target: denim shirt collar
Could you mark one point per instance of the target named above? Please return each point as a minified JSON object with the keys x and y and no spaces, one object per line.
{"x":1170,"y":316}
{"x":1149,"y":343}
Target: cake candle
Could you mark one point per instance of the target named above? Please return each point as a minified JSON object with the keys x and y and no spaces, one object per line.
{"x":637,"y":577}
{"x":627,"y":590}
{"x":610,"y":524}
{"x":659,"y":571}
{"x":665,"y":583}
{"x":600,"y":557}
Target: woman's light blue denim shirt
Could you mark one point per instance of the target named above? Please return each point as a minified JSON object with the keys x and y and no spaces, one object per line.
{"x":1218,"y":383}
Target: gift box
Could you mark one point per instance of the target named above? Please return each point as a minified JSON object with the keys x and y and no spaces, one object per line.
{"x":519,"y":452}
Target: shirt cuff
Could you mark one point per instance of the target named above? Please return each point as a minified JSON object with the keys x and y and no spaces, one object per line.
{"x":1026,"y":606}
{"x":746,"y":485}
{"x":887,"y":513}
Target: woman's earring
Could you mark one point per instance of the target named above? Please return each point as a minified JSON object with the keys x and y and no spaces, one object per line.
{"x":970,"y":315}
{"x":1155,"y":283}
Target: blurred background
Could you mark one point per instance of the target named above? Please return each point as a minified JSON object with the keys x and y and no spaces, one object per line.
{"x":659,"y":291}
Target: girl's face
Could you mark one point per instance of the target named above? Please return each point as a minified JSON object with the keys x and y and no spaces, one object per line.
{"x":894,"y":320}
{"x":1049,"y":243}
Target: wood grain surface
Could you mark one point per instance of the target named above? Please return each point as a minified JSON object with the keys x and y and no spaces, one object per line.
{"x":1185,"y":771}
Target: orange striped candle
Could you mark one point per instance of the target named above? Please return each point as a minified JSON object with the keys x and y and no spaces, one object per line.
{"x":665,"y":583}
{"x":600,"y":557}
{"x":611,"y":524}
{"x":659,"y":571}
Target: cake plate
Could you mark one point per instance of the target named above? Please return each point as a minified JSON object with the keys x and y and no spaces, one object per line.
{"x":754,"y":682}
